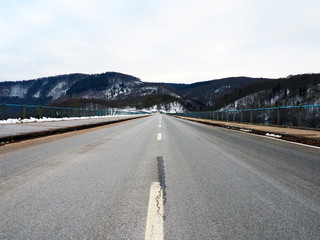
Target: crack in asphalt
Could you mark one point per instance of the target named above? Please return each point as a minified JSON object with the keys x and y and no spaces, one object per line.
{"x":155,"y":219}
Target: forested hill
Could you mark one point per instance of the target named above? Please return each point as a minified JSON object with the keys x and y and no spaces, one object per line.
{"x":207,"y":93}
{"x":110,"y":87}
{"x":118,"y":89}
{"x":293,"y":90}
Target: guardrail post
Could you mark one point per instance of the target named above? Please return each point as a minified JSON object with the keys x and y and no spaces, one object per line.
{"x":278,"y":116}
{"x":52,"y":114}
{"x":251,"y":116}
{"x":228,"y":116}
{"x":40,"y":112}
{"x":300,"y":116}
{"x":263,"y":116}
{"x":234,"y":115}
{"x":24,"y":111}
{"x":4,"y":117}
{"x":241,"y":116}
{"x":62,"y":112}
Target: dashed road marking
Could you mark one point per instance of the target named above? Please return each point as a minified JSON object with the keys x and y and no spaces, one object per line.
{"x":159,"y":126}
{"x":159,"y":137}
{"x":154,"y":226}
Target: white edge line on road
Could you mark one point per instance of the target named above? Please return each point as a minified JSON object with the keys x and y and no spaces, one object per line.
{"x":282,"y":140}
{"x":159,"y":137}
{"x":159,"y":125}
{"x":273,"y":138}
{"x":154,"y":226}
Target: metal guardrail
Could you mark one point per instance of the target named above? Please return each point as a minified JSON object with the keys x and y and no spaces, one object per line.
{"x":27,"y":111}
{"x":301,"y":116}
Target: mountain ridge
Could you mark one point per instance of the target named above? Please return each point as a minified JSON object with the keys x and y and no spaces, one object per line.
{"x":113,"y":88}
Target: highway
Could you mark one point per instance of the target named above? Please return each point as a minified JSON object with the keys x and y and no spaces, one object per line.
{"x":214,"y":184}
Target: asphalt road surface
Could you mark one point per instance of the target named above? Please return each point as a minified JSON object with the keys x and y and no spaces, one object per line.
{"x":215,"y":184}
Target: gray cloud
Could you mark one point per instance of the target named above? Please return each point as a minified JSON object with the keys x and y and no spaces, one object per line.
{"x":173,"y":41}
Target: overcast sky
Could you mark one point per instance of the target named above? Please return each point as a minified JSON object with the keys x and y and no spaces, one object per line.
{"x":159,"y":40}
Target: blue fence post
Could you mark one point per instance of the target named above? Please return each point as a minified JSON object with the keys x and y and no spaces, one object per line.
{"x":4,"y":117}
{"x":251,"y":116}
{"x":278,"y":116}
{"x":241,"y":116}
{"x":234,"y":115}
{"x":299,"y":116}
{"x":100,"y":112}
{"x":24,"y":111}
{"x":263,"y":116}
{"x":40,"y":112}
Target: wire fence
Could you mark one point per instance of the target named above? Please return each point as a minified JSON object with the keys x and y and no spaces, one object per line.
{"x":28,"y":111}
{"x":301,"y":116}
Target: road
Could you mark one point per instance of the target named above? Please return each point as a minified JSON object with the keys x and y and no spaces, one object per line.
{"x":215,"y":184}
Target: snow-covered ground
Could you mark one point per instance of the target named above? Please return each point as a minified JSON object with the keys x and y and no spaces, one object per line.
{"x":45,"y":119}
{"x":172,"y":107}
{"x":273,"y":135}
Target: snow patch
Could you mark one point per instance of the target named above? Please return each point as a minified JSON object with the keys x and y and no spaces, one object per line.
{"x":59,"y":90}
{"x":37,"y":94}
{"x":273,"y":135}
{"x":245,"y":130}
{"x":18,"y":91}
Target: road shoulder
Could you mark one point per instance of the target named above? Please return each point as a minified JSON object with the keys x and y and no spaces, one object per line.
{"x":304,"y":136}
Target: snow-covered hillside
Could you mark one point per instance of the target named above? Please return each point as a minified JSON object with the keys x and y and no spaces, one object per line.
{"x":284,"y":97}
{"x":106,"y":86}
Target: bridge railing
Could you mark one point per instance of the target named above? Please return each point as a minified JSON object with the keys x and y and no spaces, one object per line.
{"x":301,"y":116}
{"x":23,"y":111}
